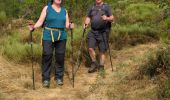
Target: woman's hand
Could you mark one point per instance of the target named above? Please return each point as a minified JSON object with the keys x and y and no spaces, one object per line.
{"x":71,"y":25}
{"x":31,"y":27}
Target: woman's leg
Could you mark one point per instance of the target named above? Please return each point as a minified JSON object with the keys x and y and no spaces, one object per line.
{"x":47,"y":60}
{"x":60,"y":47}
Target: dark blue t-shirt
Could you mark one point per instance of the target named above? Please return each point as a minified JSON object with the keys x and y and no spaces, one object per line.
{"x":95,"y":14}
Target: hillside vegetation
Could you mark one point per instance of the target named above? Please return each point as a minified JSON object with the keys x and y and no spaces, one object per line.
{"x":139,"y":43}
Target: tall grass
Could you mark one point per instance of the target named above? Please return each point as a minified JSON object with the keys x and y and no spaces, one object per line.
{"x":14,"y":49}
{"x":16,"y":46}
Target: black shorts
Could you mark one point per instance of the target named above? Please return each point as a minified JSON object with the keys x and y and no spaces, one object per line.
{"x":98,"y":38}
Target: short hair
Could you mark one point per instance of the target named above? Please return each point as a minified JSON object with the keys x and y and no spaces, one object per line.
{"x":52,"y":1}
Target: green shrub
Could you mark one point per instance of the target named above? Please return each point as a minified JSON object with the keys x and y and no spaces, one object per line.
{"x":143,"y":12}
{"x":3,"y":17}
{"x":167,"y":22}
{"x":133,"y":34}
{"x":158,"y":63}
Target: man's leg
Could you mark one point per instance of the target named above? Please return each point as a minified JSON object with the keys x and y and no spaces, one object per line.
{"x":92,"y":45}
{"x":102,"y":59}
{"x":92,"y":54}
{"x":103,"y":46}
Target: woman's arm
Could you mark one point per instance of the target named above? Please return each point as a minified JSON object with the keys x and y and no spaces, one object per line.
{"x":41,"y":18}
{"x":67,"y":21}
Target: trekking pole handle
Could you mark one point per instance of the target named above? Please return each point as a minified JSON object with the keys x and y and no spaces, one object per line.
{"x":85,"y":26}
{"x":31,"y":27}
{"x":71,"y":25}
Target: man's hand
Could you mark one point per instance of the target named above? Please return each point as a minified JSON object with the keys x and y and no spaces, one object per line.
{"x":85,"y":26}
{"x":86,"y":22}
{"x":104,"y":17}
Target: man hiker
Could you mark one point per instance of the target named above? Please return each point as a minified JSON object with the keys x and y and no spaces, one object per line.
{"x":100,"y":17}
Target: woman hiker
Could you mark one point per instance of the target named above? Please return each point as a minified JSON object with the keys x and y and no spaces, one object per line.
{"x":55,"y":20}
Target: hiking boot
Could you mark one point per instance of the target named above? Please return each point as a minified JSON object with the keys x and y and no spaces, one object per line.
{"x":93,"y":67}
{"x":59,"y":82}
{"x":46,"y":84}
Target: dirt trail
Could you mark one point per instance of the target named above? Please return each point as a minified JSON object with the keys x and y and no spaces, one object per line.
{"x":16,"y":82}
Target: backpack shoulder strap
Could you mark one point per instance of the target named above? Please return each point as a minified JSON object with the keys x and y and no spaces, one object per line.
{"x":92,"y":7}
{"x":105,"y":8}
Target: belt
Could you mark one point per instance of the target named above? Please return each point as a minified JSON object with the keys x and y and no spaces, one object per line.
{"x":100,"y":29}
{"x":55,"y":29}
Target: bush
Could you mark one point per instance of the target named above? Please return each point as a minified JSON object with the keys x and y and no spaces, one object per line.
{"x":157,"y":64}
{"x":123,"y":35}
{"x":3,"y":17}
{"x":143,"y":12}
{"x":167,"y":22}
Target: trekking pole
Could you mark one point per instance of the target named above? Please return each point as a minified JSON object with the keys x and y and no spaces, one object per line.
{"x":71,"y":42}
{"x":109,"y":49}
{"x":80,"y":50}
{"x":110,"y":52}
{"x":32,"y":58}
{"x":72,"y":55}
{"x":107,"y":37}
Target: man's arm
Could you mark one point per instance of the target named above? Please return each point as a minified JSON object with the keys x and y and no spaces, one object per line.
{"x":109,"y":17}
{"x":88,"y":17}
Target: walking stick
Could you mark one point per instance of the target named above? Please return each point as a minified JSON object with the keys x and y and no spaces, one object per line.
{"x":108,"y":48}
{"x":107,"y":37}
{"x":71,"y":43}
{"x":32,"y":58}
{"x":72,"y":55}
{"x":80,"y":50}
